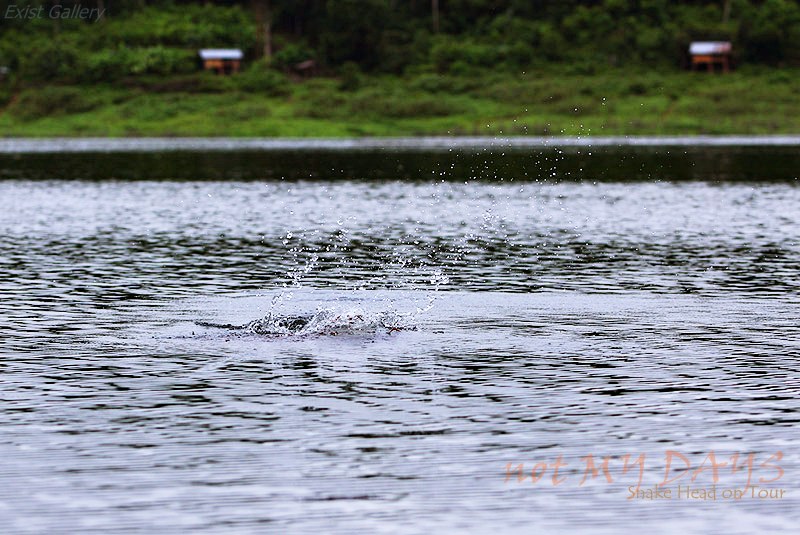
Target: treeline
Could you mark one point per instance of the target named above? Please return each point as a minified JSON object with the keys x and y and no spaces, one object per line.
{"x":161,"y":37}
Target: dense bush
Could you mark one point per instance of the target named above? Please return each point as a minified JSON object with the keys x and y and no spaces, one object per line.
{"x":51,"y":101}
{"x":50,"y":59}
{"x":111,"y":64}
{"x":191,"y":26}
{"x":438,"y":83}
{"x":772,"y":32}
{"x":196,"y":82}
{"x":259,"y":79}
{"x":291,"y":54}
{"x":350,"y":77}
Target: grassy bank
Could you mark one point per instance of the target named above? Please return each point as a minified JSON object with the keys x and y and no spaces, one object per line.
{"x":614,"y":102}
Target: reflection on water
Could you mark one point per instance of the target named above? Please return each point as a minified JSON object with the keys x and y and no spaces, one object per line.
{"x":588,"y":159}
{"x":544,"y":320}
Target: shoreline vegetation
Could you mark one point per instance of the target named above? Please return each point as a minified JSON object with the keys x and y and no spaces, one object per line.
{"x":381,"y":69}
{"x":750,"y":101}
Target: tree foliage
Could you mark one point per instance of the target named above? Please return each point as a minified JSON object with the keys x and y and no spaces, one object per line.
{"x":140,"y":37}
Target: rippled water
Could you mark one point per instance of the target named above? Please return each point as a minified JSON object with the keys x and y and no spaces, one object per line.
{"x":420,"y":336}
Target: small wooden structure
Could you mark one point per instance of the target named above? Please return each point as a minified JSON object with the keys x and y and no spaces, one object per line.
{"x":221,"y":60}
{"x":711,"y":54}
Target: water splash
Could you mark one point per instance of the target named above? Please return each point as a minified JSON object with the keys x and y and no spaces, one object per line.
{"x":333,"y":321}
{"x":328,"y":320}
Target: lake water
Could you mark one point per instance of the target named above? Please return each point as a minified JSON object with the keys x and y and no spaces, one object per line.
{"x":378,"y":347}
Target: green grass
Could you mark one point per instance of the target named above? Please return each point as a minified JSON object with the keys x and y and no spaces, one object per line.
{"x":617,"y":102}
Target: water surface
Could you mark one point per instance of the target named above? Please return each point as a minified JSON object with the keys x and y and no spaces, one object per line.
{"x":544,"y":320}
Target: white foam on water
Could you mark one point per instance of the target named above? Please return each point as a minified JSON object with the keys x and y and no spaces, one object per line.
{"x":332,"y":321}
